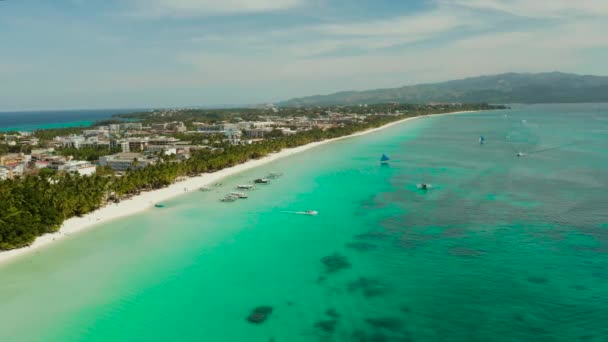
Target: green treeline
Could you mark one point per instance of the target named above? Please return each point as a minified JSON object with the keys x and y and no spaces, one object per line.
{"x":38,"y":204}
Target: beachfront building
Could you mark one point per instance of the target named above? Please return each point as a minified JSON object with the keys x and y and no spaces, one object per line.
{"x":80,"y":167}
{"x":126,"y":161}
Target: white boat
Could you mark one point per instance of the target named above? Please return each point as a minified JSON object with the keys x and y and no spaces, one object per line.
{"x":245,"y":187}
{"x":239,"y":194}
{"x":311,"y":212}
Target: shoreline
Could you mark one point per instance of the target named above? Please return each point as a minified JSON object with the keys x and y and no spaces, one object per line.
{"x":147,"y":200}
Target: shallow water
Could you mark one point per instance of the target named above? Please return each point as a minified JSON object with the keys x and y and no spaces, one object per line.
{"x":500,"y":249}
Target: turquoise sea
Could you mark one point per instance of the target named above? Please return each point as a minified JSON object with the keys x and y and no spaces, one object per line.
{"x":502,"y":248}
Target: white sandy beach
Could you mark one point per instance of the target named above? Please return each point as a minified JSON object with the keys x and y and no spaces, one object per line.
{"x":146,"y":200}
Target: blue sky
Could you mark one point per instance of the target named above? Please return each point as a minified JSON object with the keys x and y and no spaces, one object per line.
{"x":150,"y":53}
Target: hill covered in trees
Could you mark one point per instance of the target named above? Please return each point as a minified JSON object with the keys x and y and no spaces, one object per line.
{"x":552,"y":87}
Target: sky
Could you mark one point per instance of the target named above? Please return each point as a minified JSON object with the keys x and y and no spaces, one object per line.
{"x":63,"y":54}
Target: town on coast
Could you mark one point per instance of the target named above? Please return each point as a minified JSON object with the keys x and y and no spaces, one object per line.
{"x":125,"y":165}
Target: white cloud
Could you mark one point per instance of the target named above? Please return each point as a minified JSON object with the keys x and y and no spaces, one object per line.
{"x":545,"y":48}
{"x":194,"y":8}
{"x":536,"y":9}
{"x":360,"y":36}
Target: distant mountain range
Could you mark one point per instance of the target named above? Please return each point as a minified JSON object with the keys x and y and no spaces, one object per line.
{"x":554,"y":87}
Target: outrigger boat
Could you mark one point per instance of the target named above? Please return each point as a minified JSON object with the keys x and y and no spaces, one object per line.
{"x":245,"y":187}
{"x":229,"y":198}
{"x":239,"y":195}
{"x":204,"y":188}
{"x":261,"y":181}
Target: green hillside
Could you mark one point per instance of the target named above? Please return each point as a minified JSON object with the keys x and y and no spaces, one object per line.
{"x":552,"y":87}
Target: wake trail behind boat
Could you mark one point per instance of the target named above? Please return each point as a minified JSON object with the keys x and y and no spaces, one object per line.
{"x":310,"y":212}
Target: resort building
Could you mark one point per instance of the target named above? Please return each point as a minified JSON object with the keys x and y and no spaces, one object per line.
{"x":122,"y":144}
{"x":80,"y":167}
{"x":13,"y":158}
{"x":162,"y":141}
{"x":131,"y":126}
{"x":126,"y":161}
{"x":74,"y":141}
{"x":161,"y":149}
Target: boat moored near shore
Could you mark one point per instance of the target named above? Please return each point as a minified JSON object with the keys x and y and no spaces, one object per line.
{"x":245,"y":187}
{"x":241,"y":195}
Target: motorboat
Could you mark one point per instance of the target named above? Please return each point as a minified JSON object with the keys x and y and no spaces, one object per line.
{"x":239,"y":195}
{"x":262,"y":181}
{"x":159,"y":205}
{"x":311,"y":212}
{"x":424,"y":186}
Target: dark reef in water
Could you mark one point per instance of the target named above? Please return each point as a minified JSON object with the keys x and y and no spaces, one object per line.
{"x":372,"y":236}
{"x":335,"y":262}
{"x":361,"y":246}
{"x":388,"y":323}
{"x":465,"y":251}
{"x":578,"y":287}
{"x":538,"y":280}
{"x":332,"y":313}
{"x":326,"y":326}
{"x":259,"y":314}
{"x":368,"y":287}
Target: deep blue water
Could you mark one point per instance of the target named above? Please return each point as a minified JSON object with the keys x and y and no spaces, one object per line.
{"x":32,"y":120}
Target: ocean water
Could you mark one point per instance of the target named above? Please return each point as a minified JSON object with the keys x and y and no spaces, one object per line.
{"x":33,"y":120}
{"x":502,"y":248}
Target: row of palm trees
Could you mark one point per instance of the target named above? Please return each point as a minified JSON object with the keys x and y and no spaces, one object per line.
{"x":38,"y":204}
